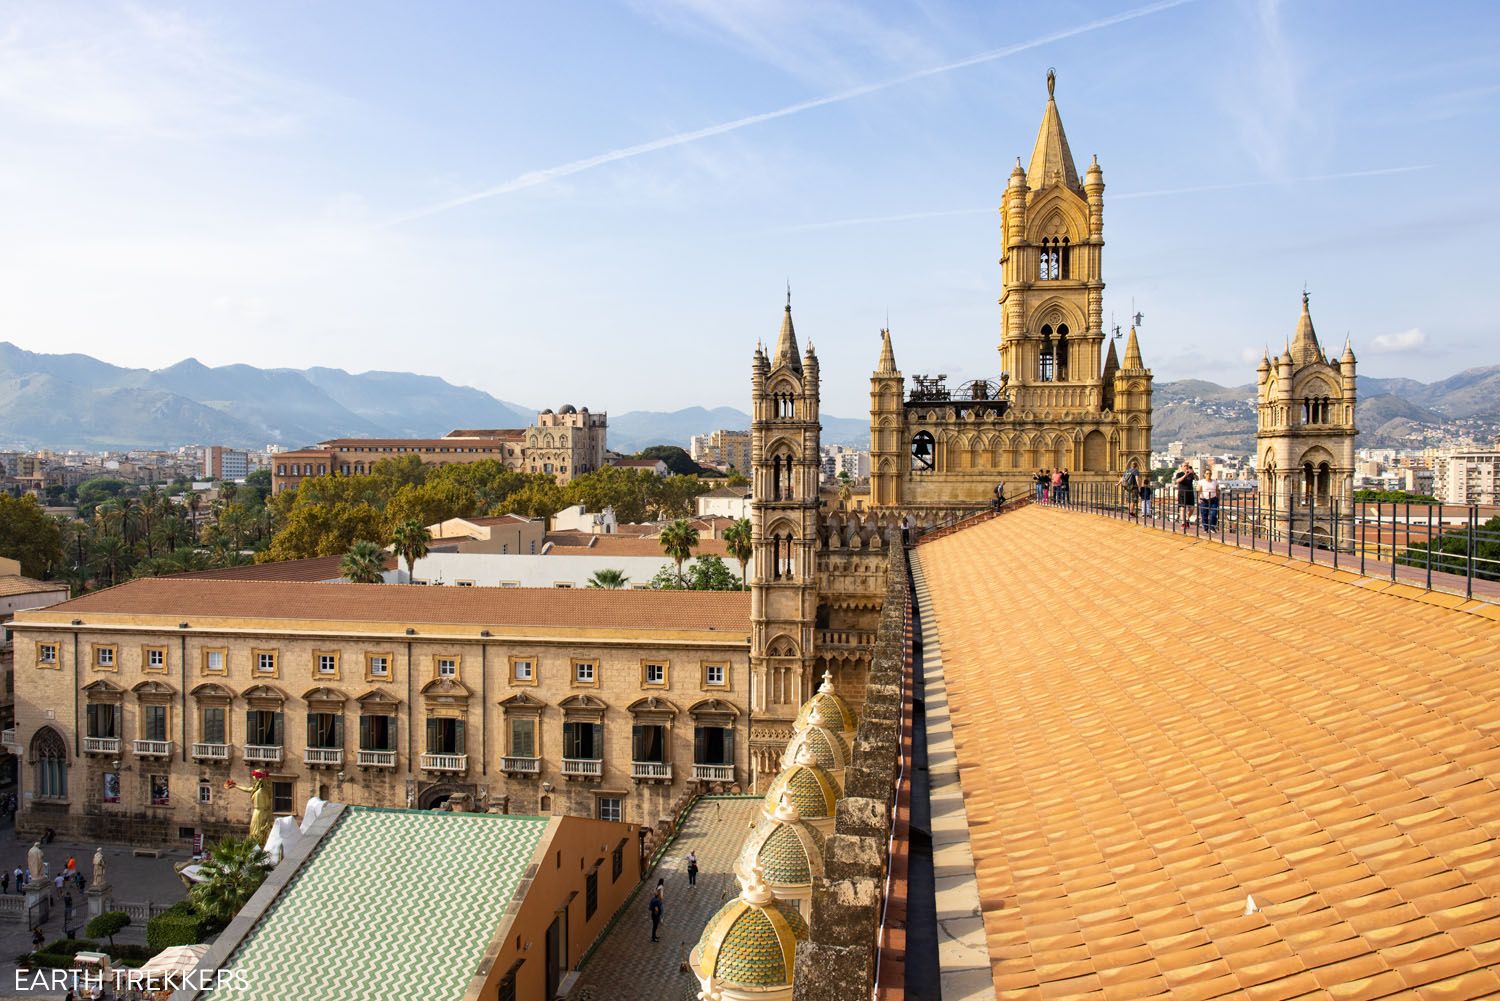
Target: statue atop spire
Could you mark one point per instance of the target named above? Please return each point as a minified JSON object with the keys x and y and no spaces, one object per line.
{"x":786,"y":342}
{"x":1051,"y":160}
{"x":1304,"y":347}
{"x":887,"y":364}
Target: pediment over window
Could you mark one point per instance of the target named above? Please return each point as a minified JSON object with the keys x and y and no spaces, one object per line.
{"x":523,"y":702}
{"x":325,"y":699}
{"x":583,"y":707}
{"x":653,"y":708}
{"x":377,"y":701}
{"x":265,"y":697}
{"x":103,"y":691}
{"x":212,"y":693}
{"x":153,"y":690}
{"x":447,"y":689}
{"x":714,"y":711}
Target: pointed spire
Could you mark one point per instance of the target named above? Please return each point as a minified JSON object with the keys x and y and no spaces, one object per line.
{"x":1051,"y":160}
{"x":1133,"y":352}
{"x":1111,"y":362}
{"x":1348,"y":357}
{"x":786,"y":342}
{"x":1304,"y":347}
{"x":887,"y":364}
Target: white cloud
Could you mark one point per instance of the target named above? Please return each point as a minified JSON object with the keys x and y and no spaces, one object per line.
{"x":1405,"y":340}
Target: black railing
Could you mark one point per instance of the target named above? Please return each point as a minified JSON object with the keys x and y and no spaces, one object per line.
{"x":1439,"y":547}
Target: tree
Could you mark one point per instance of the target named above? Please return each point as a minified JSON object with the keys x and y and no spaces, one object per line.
{"x":317,"y":529}
{"x":708,"y":573}
{"x":107,"y":925}
{"x":233,"y":871}
{"x":411,"y":538}
{"x":541,"y":497}
{"x":364,"y":563}
{"x":609,"y":578}
{"x":675,"y":456}
{"x":738,"y":538}
{"x":673,"y":496}
{"x":431,"y":502}
{"x":627,"y":491}
{"x":28,"y":535}
{"x":677,"y":540}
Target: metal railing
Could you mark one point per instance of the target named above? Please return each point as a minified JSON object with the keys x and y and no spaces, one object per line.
{"x":375,"y":759}
{"x":713,"y":773}
{"x":323,"y":756}
{"x":211,"y":752}
{"x":445,"y":762}
{"x":521,"y":765}
{"x":101,"y":745}
{"x":651,"y":771}
{"x":271,"y":753}
{"x":583,"y":768}
{"x":152,"y":748}
{"x":1439,"y":547}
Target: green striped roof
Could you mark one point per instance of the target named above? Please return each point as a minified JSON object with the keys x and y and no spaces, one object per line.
{"x":394,"y":903}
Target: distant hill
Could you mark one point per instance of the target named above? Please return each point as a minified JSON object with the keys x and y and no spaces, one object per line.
{"x":75,"y":401}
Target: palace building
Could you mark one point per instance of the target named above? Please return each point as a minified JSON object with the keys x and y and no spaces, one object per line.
{"x":135,"y":703}
{"x":1059,"y":400}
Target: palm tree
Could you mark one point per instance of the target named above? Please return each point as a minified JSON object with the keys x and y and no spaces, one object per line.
{"x":738,"y":538}
{"x":609,"y":578}
{"x":364,"y":563}
{"x":194,"y":502}
{"x":677,"y":540}
{"x":231,"y":874}
{"x":411,"y":538}
{"x":110,"y":556}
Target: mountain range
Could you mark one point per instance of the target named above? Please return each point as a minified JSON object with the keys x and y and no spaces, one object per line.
{"x":75,"y":401}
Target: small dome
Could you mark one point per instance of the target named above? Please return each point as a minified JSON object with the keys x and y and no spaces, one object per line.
{"x":828,"y":747}
{"x":813,"y":791}
{"x":547,"y":411}
{"x":825,"y":709}
{"x":750,"y":943}
{"x":788,"y":850}
{"x":568,"y":408}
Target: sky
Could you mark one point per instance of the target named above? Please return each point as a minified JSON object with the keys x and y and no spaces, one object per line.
{"x":603,"y":202}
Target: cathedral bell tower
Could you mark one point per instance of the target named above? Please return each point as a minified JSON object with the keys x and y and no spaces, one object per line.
{"x":784,"y":448}
{"x":888,"y":458}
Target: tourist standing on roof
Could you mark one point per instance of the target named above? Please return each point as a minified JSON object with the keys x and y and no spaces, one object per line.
{"x":1186,"y":494}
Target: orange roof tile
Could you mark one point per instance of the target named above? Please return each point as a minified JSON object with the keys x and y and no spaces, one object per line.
{"x":14,"y":584}
{"x":1184,"y":724}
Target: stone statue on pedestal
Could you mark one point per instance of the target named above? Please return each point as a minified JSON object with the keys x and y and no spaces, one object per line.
{"x":34,"y":862}
{"x":99,"y":869}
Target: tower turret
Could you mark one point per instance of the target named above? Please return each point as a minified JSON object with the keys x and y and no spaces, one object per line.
{"x":887,"y":427}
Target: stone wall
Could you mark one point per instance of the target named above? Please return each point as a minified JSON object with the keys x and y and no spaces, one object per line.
{"x":838,"y":962}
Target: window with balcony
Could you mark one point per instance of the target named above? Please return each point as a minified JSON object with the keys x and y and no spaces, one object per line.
{"x":213,"y":725}
{"x":445,"y":736}
{"x":263,"y":727}
{"x":713,"y":745}
{"x":583,"y":740}
{"x":523,"y":738}
{"x":377,"y":733}
{"x":103,"y":720}
{"x":153,"y":722}
{"x":649,"y":743}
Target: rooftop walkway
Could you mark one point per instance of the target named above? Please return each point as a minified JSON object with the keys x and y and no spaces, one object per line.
{"x":1151,"y":729}
{"x":626,"y":965}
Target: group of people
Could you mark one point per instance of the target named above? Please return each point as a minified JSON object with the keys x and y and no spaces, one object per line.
{"x":658,"y":902}
{"x":1051,"y":486}
{"x":1195,"y":494}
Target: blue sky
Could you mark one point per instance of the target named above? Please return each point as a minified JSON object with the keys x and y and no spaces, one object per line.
{"x":601,"y":202}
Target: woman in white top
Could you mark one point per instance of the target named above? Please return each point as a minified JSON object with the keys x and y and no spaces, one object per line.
{"x":1208,"y":501}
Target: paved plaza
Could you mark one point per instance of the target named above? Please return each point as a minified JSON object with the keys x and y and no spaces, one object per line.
{"x":627,"y":965}
{"x":133,"y":880}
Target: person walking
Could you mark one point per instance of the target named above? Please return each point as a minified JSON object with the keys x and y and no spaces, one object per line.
{"x":999,"y":496}
{"x":1208,"y":501}
{"x":692,"y":868}
{"x":655,"y":907}
{"x":1148,"y":491}
{"x":906,"y":529}
{"x":1187,"y":494}
{"x":1130,"y":483}
{"x":20,"y":879}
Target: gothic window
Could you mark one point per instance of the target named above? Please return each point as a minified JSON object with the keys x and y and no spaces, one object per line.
{"x":923,"y":451}
{"x":1062,"y":351}
{"x":50,"y":756}
{"x":1063,"y":254}
{"x":1047,"y":367}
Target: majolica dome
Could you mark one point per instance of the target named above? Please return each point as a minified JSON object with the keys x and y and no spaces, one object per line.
{"x":826,"y":709}
{"x":813,"y":791}
{"x":788,"y":850}
{"x":750,"y":943}
{"x":567,"y":408}
{"x":828,"y":748}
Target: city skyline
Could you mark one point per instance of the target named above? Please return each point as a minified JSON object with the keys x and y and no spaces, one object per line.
{"x":249,"y":197}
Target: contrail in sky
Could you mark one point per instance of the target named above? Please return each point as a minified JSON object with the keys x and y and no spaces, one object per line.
{"x":1124,"y":196}
{"x":532,"y":178}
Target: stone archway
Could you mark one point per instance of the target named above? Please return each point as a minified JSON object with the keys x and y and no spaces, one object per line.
{"x":436,"y":796}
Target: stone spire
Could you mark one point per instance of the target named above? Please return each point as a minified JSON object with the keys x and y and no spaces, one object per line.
{"x":1133,"y":360}
{"x":1304,"y":347}
{"x":1051,"y":160}
{"x":786,"y":343}
{"x":1111,"y":363}
{"x":887,"y":364}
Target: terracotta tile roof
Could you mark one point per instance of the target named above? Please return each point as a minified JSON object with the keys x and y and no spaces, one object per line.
{"x":451,"y":444}
{"x":1181,"y":725}
{"x":725,"y":611}
{"x":315,"y":568}
{"x":13,"y":584}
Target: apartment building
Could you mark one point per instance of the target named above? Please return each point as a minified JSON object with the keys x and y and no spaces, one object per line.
{"x":134,"y":704}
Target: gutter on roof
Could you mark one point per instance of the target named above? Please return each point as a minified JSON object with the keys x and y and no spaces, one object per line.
{"x":720,"y":638}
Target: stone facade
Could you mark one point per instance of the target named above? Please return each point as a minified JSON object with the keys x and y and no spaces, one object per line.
{"x":1059,"y":402}
{"x":130,"y":725}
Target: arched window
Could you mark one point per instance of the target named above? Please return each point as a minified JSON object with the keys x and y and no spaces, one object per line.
{"x":1047,"y":368}
{"x":923,"y":452}
{"x":49,"y":755}
{"x":1053,"y":259}
{"x":1063,"y":254}
{"x":1062,"y":352}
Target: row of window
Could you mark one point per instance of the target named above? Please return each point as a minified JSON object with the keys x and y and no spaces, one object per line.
{"x":581,"y":739}
{"x":586,"y":672}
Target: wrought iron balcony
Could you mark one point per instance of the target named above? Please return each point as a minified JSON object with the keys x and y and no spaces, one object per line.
{"x":375,"y":759}
{"x":583,"y":768}
{"x":445,"y":762}
{"x":268,"y":753}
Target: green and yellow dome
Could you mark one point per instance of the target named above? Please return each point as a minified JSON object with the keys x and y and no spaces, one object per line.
{"x":788,"y":850}
{"x":750,"y":943}
{"x":812,"y":790}
{"x":828,"y":747}
{"x":826,"y":709}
